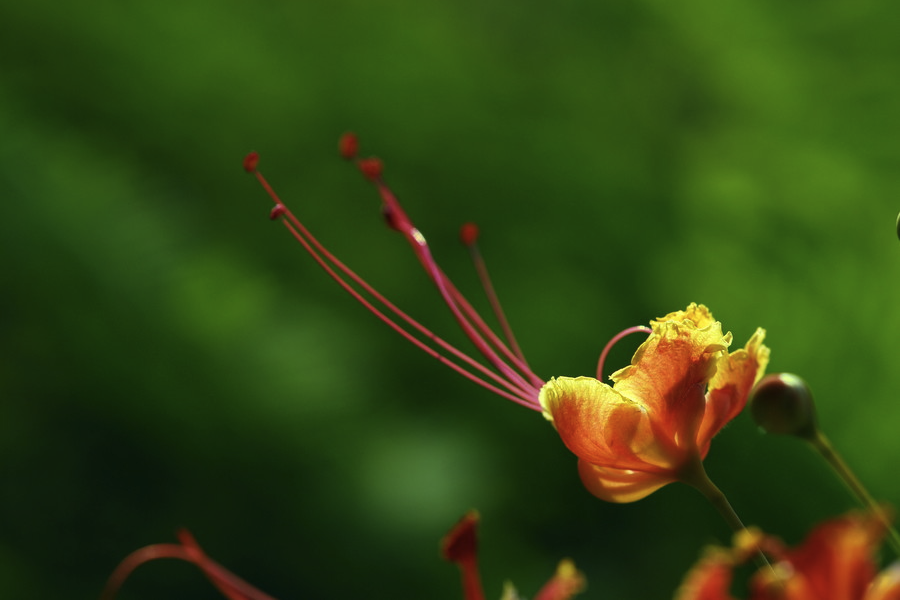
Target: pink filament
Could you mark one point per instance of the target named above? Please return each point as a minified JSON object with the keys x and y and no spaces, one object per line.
{"x":471,"y":242}
{"x":612,"y":342}
{"x":517,"y":388}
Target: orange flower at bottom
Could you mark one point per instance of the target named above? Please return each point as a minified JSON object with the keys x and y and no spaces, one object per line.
{"x":835,"y":562}
{"x":654,"y":424}
{"x":460,"y":546}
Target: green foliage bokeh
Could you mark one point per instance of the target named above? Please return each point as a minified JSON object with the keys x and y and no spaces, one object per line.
{"x":172,"y":358}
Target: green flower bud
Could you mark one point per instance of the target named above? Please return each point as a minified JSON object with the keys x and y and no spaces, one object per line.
{"x":782,"y":403}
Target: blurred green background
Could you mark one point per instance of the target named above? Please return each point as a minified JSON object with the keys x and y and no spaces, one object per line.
{"x":172,"y":358}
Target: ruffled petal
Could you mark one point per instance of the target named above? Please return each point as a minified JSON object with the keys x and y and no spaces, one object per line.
{"x":735,"y":376}
{"x":601,"y":426}
{"x":620,"y":485}
{"x":670,"y":370}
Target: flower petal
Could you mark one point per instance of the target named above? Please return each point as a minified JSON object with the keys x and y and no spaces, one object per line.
{"x":837,"y":558}
{"x":670,"y":370}
{"x":565,"y":583}
{"x":601,"y":426}
{"x":736,"y":374}
{"x":710,"y":578}
{"x":620,"y":485}
{"x":887,"y":585}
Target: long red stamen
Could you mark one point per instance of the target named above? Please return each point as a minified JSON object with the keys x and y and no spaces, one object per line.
{"x":516,"y":390}
{"x":468,"y":235}
{"x":452,"y":298}
{"x":612,"y":342}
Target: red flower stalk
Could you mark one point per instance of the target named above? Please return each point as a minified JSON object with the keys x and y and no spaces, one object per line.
{"x":835,"y":562}
{"x":231,"y":586}
{"x":460,"y":546}
{"x":652,"y":427}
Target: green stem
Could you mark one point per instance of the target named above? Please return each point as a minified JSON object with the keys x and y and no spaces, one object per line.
{"x":695,"y":475}
{"x":823,"y":446}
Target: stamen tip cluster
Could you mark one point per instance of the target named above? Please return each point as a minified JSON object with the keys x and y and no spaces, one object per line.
{"x":348,"y":146}
{"x":468,"y":234}
{"x":371,"y":168}
{"x":250,"y":162}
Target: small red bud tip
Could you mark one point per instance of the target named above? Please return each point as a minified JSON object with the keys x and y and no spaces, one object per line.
{"x":277,"y":212}
{"x":468,"y":234}
{"x":250,"y":162}
{"x":371,"y":168}
{"x":348,"y":146}
{"x":461,"y":542}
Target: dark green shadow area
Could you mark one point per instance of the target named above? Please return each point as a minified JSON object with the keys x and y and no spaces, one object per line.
{"x":170,"y":358}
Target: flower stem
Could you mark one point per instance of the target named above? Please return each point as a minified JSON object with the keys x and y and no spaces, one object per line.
{"x":695,"y":475}
{"x":823,"y":446}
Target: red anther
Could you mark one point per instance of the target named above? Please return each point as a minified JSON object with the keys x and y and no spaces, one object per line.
{"x":277,"y":212}
{"x":468,"y":234}
{"x":348,"y":145}
{"x":250,"y":162}
{"x":371,"y":168}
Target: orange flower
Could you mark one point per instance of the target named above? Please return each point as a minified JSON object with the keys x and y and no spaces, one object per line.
{"x":460,"y":546}
{"x":663,"y":410}
{"x":652,"y":427}
{"x":835,"y":562}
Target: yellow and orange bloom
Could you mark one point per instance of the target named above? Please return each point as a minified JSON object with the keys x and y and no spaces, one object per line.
{"x":460,"y":546}
{"x":651,"y":427}
{"x":662,"y":411}
{"x":835,"y":562}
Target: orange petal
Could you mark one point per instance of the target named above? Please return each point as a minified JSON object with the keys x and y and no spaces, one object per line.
{"x":620,"y":485}
{"x":601,"y":426}
{"x":837,"y":558}
{"x":736,"y":374}
{"x":887,"y":585}
{"x":565,"y":583}
{"x":710,"y":578}
{"x":670,"y":370}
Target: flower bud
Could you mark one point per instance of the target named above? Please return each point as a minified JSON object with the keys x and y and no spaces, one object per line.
{"x":782,"y":403}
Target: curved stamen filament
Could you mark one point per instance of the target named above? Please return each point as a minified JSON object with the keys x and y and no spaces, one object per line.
{"x":517,"y":361}
{"x":516,"y":390}
{"x":613,"y":341}
{"x":399,"y":220}
{"x":469,"y":238}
